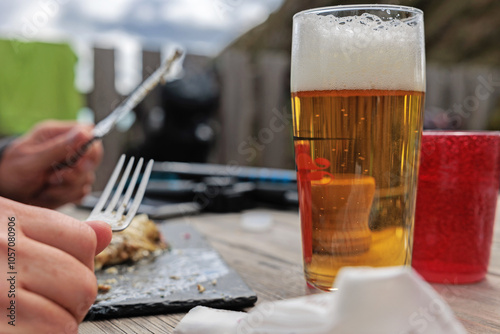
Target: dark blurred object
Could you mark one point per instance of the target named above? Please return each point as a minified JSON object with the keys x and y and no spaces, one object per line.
{"x":180,"y":128}
{"x":223,"y":188}
{"x":199,"y":171}
{"x":224,"y":194}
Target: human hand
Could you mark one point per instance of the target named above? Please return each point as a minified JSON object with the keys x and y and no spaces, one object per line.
{"x":27,"y":167}
{"x":53,"y":256}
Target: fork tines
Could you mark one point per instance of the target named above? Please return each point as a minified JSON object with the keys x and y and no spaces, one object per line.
{"x":118,"y":211}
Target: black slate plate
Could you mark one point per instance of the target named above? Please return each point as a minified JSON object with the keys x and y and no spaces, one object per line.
{"x":168,"y":283}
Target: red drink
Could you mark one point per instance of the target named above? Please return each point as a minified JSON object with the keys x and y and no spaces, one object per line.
{"x":456,"y":200}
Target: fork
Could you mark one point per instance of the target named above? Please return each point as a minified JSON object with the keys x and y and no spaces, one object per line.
{"x":114,"y":213}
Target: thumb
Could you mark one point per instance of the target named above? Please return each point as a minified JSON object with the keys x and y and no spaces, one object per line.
{"x":61,"y":148}
{"x":103,"y":234}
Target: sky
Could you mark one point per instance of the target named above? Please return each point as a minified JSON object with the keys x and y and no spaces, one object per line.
{"x":202,"y":27}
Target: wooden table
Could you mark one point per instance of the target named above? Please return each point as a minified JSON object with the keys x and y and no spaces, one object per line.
{"x":270,"y":263}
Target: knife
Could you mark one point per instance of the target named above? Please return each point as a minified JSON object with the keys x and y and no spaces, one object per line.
{"x":139,"y":93}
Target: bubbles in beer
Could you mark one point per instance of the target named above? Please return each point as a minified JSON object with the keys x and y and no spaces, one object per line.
{"x":357,"y":52}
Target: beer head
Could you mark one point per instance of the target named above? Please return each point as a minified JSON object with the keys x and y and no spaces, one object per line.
{"x":366,"y":50}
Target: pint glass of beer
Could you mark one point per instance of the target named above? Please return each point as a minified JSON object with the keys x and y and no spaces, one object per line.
{"x":358,"y":86}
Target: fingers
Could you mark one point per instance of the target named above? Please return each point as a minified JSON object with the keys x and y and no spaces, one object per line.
{"x":103,"y":234}
{"x":63,"y":147}
{"x":33,"y":161}
{"x":79,"y":174}
{"x":69,"y":185}
{"x":41,"y":315}
{"x":55,"y":284}
{"x":92,"y":158}
{"x":55,"y":197}
{"x":69,"y":176}
{"x":46,"y":130}
{"x":63,"y":232}
{"x":60,"y":141}
{"x":57,"y":276}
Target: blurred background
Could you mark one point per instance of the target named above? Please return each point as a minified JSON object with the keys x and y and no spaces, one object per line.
{"x":76,"y":59}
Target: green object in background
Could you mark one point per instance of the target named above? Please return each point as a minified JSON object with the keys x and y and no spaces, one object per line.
{"x":37,"y":82}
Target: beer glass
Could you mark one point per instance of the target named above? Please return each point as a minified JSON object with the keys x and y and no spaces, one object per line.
{"x":358,"y":86}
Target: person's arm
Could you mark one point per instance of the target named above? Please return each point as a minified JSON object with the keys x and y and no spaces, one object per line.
{"x":27,"y":166}
{"x":49,"y":282}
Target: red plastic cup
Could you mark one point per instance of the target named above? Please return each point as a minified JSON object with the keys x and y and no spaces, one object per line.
{"x":456,"y":200}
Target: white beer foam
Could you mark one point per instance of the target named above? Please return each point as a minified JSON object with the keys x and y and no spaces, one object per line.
{"x":357,"y":52}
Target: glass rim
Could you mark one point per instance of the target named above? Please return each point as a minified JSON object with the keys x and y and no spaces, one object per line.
{"x":445,"y":133}
{"x":340,"y":8}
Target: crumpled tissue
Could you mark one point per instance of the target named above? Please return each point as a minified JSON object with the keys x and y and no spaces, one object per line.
{"x":393,"y":300}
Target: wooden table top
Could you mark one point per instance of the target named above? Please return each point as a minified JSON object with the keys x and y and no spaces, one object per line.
{"x":271,"y":264}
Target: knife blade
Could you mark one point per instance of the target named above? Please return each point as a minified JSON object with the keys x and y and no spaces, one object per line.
{"x":108,"y":123}
{"x":102,"y":128}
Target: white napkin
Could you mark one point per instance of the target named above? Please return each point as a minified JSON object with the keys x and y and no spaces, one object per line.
{"x":392,"y":300}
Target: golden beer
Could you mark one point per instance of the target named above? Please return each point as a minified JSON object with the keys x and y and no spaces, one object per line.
{"x":356,"y":154}
{"x":357,"y":122}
